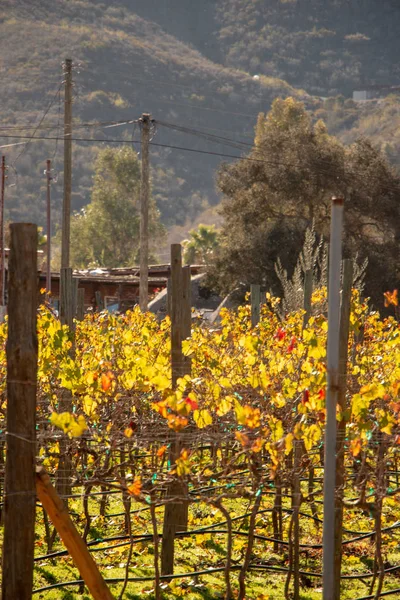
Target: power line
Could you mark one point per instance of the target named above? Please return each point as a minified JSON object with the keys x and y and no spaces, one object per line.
{"x":39,"y":124}
{"x":103,"y":124}
{"x":318,"y":169}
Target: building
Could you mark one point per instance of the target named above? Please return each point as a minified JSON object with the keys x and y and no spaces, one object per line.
{"x":375,"y":92}
{"x":118,"y":288}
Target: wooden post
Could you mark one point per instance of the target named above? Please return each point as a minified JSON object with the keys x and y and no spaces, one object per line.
{"x":175,"y":511}
{"x":298,"y":455}
{"x":22,"y":356}
{"x":66,"y":298}
{"x":80,"y":304}
{"x":66,"y":212}
{"x":255,"y":304}
{"x":67,"y":313}
{"x":58,"y":513}
{"x":182,"y":514}
{"x":176,"y":313}
{"x":144,"y":215}
{"x":2,"y":236}
{"x":48,"y":226}
{"x":332,"y":390}
{"x":186,"y":314}
{"x":75,"y":286}
{"x":99,"y":301}
{"x":308,"y":290}
{"x":341,"y":426}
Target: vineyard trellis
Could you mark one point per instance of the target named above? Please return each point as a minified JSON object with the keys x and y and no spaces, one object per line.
{"x":248,"y":428}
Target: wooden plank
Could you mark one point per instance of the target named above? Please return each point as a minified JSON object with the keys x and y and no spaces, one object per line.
{"x":255,"y":304}
{"x":22,"y":354}
{"x":58,"y":513}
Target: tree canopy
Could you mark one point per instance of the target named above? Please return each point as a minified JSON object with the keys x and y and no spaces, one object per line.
{"x":285,"y":185}
{"x":201,"y":245}
{"x":106,"y":232}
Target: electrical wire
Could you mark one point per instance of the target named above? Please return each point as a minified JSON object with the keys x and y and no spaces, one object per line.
{"x":39,"y":124}
{"x":75,"y":125}
{"x":319,"y":169}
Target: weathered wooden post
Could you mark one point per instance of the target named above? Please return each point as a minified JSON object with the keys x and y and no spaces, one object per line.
{"x":22,"y":356}
{"x":332,"y":391}
{"x":345,"y":310}
{"x":66,"y":297}
{"x":80,"y":304}
{"x":175,"y":515}
{"x":176,"y":312}
{"x":186,"y":314}
{"x":255,"y":304}
{"x":67,"y":313}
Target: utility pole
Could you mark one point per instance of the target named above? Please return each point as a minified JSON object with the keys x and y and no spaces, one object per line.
{"x":144,"y":214}
{"x":2,"y":235}
{"x":66,"y":214}
{"x":48,"y":229}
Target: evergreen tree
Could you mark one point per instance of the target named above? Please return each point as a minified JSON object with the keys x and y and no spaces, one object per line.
{"x":286,"y":184}
{"x":106,"y":232}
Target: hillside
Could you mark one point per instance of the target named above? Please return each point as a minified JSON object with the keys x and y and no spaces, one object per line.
{"x":190,"y":66}
{"x":125,"y":65}
{"x":328,"y":47}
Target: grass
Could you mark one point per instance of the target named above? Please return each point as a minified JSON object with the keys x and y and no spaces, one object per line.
{"x":199,"y":552}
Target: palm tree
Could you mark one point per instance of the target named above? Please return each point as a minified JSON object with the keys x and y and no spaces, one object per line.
{"x":201,"y":245}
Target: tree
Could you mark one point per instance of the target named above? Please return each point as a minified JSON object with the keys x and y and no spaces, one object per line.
{"x":285,"y":185}
{"x":106,"y":232}
{"x":201,"y":245}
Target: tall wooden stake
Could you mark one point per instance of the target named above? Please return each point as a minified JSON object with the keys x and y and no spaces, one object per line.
{"x":175,"y":515}
{"x":255,"y":304}
{"x":176,"y":313}
{"x":22,"y":355}
{"x":335,"y":256}
{"x":66,"y":213}
{"x":144,"y":215}
{"x":80,"y":304}
{"x":345,"y":310}
{"x":48,"y":227}
{"x":186,"y":311}
{"x":2,"y":234}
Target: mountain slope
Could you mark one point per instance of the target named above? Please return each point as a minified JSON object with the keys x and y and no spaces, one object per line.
{"x":326,"y":46}
{"x":126,"y":65}
{"x":160,"y":57}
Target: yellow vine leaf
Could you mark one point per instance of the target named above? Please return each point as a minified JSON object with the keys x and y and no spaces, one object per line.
{"x":67,"y":422}
{"x":202,"y":418}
